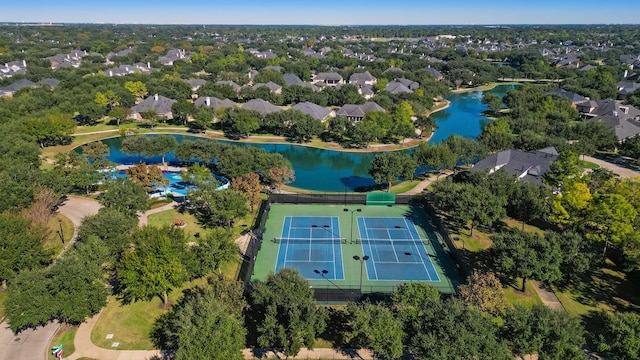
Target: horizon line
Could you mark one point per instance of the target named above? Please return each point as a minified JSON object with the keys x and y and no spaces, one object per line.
{"x":301,"y":24}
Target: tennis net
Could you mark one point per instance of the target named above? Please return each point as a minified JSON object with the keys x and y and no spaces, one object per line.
{"x":279,"y":240}
{"x":390,"y":241}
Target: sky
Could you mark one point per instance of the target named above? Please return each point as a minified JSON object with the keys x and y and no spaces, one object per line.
{"x":324,"y":12}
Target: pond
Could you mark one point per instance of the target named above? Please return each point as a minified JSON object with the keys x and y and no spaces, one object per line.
{"x":337,"y":171}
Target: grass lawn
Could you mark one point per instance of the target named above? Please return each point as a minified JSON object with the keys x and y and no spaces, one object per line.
{"x":472,"y":249}
{"x":131,"y":324}
{"x":3,"y":296}
{"x":607,"y":288}
{"x":404,"y":186}
{"x":516,"y":297}
{"x":588,"y":165}
{"x":52,"y":240}
{"x":64,"y":336}
{"x":167,"y":217}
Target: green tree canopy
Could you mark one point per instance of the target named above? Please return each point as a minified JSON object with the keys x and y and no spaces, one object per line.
{"x":286,"y":314}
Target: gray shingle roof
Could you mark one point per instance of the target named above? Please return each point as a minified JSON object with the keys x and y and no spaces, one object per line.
{"x":213,"y":102}
{"x":358,"y":111}
{"x":271,"y":85}
{"x":261,"y":106}
{"x":571,"y":96}
{"x":396,"y":87}
{"x":316,"y":111}
{"x":527,"y":166}
{"x":361,"y":78}
{"x":22,"y":83}
{"x":158,"y":103}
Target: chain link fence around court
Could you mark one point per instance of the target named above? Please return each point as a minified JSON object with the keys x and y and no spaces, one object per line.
{"x":331,"y":294}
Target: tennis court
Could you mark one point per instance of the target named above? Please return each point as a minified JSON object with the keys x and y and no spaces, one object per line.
{"x":353,"y":248}
{"x":311,"y":244}
{"x":396,"y":251}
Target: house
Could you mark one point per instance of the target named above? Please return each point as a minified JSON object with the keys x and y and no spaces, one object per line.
{"x":172,"y":56}
{"x":396,"y":87}
{"x":364,"y":78}
{"x":261,"y":106}
{"x":18,"y":67}
{"x":72,"y":59}
{"x":293,"y":80}
{"x":274,"y":68}
{"x":571,"y":96}
{"x":121,"y":53}
{"x":357,"y":112}
{"x":20,"y":84}
{"x":196,"y":84}
{"x":393,"y":70}
{"x":328,"y":79}
{"x":528,"y":166}
{"x":623,"y":120}
{"x":315,"y":111}
{"x":49,"y":82}
{"x":273,"y":87}
{"x":213,"y":102}
{"x":233,"y":85}
{"x":435,"y":73}
{"x":123,"y":70}
{"x":633,"y":61}
{"x":399,"y":86}
{"x":627,"y":88}
{"x":366,"y":91}
{"x":158,"y":103}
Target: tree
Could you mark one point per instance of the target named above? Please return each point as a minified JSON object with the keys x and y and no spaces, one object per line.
{"x":217,"y":207}
{"x":438,"y":157}
{"x":97,"y":152}
{"x":161,"y":145}
{"x":611,"y":219}
{"x":212,"y":251}
{"x":136,"y":88}
{"x":631,"y":147}
{"x":21,"y":247}
{"x":241,"y":121}
{"x":496,"y":135}
{"x":204,"y":326}
{"x":286,"y":314}
{"x":443,"y":330}
{"x":388,"y":167}
{"x":616,"y":334}
{"x":493,"y":101}
{"x":149,"y":177}
{"x":135,"y":145}
{"x":526,"y":255}
{"x":377,"y":328}
{"x":151,"y":266}
{"x":110,"y":226}
{"x":566,"y":168}
{"x":281,"y":175}
{"x":484,"y":291}
{"x":304,"y":127}
{"x":70,"y":290}
{"x":540,"y":330}
{"x":181,"y":110}
{"x":124,"y":196}
{"x":51,"y":129}
{"x":578,"y":254}
{"x":569,"y":206}
{"x":414,"y":294}
{"x":249,"y":185}
{"x":528,"y":202}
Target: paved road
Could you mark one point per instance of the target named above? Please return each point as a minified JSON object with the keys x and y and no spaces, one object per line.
{"x":29,"y":344}
{"x":76,"y":208}
{"x":621,"y":171}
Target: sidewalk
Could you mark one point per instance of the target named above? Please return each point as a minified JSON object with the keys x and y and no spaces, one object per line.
{"x":85,"y":348}
{"x":548,"y":297}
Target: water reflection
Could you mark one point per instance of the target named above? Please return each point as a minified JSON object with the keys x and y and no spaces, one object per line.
{"x":331,"y":170}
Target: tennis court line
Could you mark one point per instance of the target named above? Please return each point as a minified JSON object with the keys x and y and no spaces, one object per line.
{"x":427,"y":268}
{"x":361,"y":221}
{"x":421,"y":259}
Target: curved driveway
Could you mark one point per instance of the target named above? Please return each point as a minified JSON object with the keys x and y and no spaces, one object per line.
{"x":619,"y":170}
{"x":76,"y":208}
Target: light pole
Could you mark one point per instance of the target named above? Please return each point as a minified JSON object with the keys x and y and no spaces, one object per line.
{"x":352,"y":211}
{"x":60,"y":232}
{"x":362,"y":260}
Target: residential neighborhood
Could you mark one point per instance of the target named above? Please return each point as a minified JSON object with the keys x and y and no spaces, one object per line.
{"x":200,"y":191}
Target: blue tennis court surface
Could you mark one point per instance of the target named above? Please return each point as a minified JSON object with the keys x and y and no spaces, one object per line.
{"x":395,"y":250}
{"x":312,"y":245}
